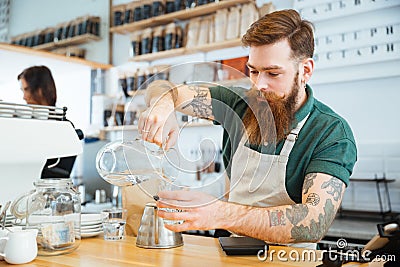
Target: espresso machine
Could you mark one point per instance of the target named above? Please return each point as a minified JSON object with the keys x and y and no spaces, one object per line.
{"x":29,"y":135}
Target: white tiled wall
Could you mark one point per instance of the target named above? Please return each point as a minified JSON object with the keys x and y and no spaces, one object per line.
{"x":375,"y":160}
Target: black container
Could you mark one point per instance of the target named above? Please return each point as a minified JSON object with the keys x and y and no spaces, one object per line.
{"x":82,"y":27}
{"x":92,"y":26}
{"x":157,"y":9}
{"x":71,"y":31}
{"x":64,"y":33}
{"x":123,"y":85}
{"x":146,"y":45}
{"x":169,"y":41}
{"x":158,"y":44}
{"x":179,"y":5}
{"x":95,"y":28}
{"x":107,"y":115}
{"x":130,"y":84}
{"x":146,"y":11}
{"x":29,"y":41}
{"x":137,"y":14}
{"x":190,"y":3}
{"x":118,"y":18}
{"x":48,"y":37}
{"x":136,"y":48}
{"x":169,"y":7}
{"x":202,"y":2}
{"x":58,"y":34}
{"x":141,"y":78}
{"x":179,"y":39}
{"x":128,"y":18}
{"x":37,"y":39}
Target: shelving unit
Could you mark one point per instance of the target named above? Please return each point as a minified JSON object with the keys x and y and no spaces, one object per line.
{"x":383,"y":202}
{"x":30,"y":51}
{"x":76,"y":40}
{"x":187,"y":51}
{"x":178,"y":15}
{"x":206,"y":9}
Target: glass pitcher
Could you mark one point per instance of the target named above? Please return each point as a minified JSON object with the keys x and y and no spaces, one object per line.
{"x":54,"y":209}
{"x":126,"y":163}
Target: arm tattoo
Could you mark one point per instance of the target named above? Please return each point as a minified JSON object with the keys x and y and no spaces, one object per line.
{"x":316,"y":229}
{"x":199,"y":104}
{"x":335,"y":187}
{"x":308,"y":182}
{"x":313,"y":199}
{"x":276,"y":218}
{"x":297,"y":213}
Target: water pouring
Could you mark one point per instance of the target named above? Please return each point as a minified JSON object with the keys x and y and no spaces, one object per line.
{"x":129,"y":163}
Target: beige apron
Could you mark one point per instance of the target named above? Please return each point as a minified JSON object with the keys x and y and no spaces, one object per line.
{"x":259,"y":179}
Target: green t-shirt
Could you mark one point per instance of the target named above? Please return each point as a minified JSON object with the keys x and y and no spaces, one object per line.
{"x":325,"y":144}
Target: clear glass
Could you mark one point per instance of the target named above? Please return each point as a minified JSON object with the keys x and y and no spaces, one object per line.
{"x":54,"y":209}
{"x":125,"y":163}
{"x":114,"y":221}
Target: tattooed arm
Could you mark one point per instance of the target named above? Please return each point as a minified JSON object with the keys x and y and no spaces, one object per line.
{"x":193,"y":100}
{"x":158,"y":124}
{"x":305,"y":222}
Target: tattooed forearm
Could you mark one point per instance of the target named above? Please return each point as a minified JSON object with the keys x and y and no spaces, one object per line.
{"x":297,"y":213}
{"x":276,"y":218}
{"x":317,"y":229}
{"x":201,"y":106}
{"x":335,"y":186}
{"x":308,"y":182}
{"x":313,"y":199}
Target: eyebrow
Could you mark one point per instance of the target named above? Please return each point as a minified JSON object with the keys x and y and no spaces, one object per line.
{"x":271,"y":67}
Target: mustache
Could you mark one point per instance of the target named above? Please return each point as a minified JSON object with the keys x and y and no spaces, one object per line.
{"x":260,"y":96}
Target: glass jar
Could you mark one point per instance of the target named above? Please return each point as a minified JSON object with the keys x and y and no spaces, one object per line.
{"x":54,"y":209}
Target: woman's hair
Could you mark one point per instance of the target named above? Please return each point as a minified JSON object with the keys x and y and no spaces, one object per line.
{"x":283,"y":25}
{"x":40,"y":84}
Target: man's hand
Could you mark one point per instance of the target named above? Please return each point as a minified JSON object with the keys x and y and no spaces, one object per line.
{"x":158,"y":124}
{"x":199,"y":211}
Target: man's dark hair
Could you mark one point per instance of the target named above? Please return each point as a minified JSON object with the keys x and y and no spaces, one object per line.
{"x":280,"y":25}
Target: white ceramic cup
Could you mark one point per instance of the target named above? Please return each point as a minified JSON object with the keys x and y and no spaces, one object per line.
{"x":20,"y":247}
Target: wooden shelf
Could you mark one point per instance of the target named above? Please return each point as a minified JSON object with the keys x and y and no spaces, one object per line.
{"x":187,"y":51}
{"x":178,"y":15}
{"x":160,"y":55}
{"x":215,"y":46}
{"x":30,"y":51}
{"x":76,"y":40}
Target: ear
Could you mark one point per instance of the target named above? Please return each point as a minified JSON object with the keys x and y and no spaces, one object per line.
{"x":308,"y":69}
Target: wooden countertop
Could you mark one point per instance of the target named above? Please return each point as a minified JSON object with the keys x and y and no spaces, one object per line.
{"x":196,"y":251}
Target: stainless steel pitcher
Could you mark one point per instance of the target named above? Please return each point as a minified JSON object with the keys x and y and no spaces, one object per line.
{"x":153,"y":234}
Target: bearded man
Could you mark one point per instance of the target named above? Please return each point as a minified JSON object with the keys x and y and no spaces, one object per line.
{"x":288,"y":156}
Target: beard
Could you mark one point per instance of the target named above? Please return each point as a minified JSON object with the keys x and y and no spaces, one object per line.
{"x":265,"y":110}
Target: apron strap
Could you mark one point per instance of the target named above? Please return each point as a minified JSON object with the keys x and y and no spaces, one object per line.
{"x":292,"y":137}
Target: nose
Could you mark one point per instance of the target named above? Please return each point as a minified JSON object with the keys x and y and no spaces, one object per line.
{"x":262,"y":82}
